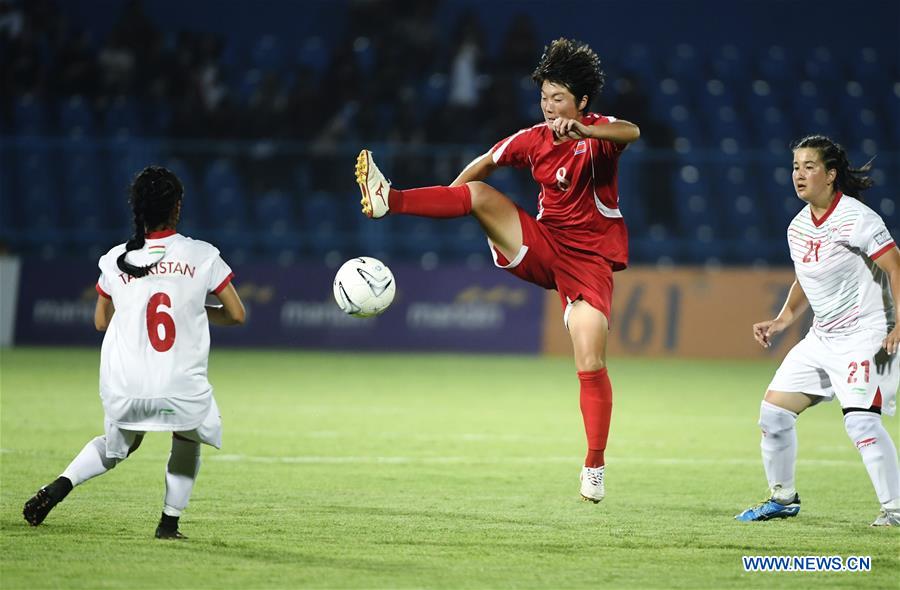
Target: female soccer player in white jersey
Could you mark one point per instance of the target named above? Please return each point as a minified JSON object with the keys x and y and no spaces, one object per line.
{"x":577,"y":240}
{"x":848,"y":269}
{"x":152,"y":305}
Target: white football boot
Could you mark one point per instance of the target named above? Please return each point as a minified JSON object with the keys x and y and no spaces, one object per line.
{"x":592,"y":488}
{"x":887,"y":518}
{"x":373,"y":186}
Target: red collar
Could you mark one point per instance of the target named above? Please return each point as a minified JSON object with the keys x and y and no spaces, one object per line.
{"x":834,"y":203}
{"x":155,"y":235}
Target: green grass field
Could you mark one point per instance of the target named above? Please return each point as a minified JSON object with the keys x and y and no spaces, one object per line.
{"x":363,"y":471}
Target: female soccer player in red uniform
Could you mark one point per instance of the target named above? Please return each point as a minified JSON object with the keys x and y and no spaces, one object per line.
{"x":578,"y":238}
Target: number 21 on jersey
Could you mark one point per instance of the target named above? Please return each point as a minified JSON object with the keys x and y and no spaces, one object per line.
{"x":854,"y":367}
{"x":812,"y":251}
{"x":160,"y":321}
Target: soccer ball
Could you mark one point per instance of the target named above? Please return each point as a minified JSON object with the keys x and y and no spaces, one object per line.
{"x":364,"y":287}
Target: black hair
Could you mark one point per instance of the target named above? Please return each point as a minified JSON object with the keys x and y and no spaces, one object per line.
{"x":154,"y":195}
{"x":848,"y":180}
{"x":572,"y":64}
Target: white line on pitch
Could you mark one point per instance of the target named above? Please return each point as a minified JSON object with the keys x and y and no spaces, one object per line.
{"x":338,"y":460}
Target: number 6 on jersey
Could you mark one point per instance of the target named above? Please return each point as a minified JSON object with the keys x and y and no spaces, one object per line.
{"x":156,"y":319}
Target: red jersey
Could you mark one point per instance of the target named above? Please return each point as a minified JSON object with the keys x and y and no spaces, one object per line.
{"x":579,"y":198}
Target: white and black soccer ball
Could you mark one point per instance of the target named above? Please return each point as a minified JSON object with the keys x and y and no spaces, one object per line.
{"x":364,"y":287}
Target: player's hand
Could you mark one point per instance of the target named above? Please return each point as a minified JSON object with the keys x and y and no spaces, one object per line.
{"x":891,"y":342}
{"x":763,"y":332}
{"x":568,"y":129}
{"x":882,"y":362}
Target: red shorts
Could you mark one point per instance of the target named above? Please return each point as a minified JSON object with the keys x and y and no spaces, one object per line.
{"x":543,"y":261}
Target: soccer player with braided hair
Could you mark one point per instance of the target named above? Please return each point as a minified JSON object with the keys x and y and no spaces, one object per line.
{"x":151,"y":304}
{"x":577,"y":240}
{"x":848,"y":270}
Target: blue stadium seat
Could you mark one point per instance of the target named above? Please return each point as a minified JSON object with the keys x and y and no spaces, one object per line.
{"x":37,"y":193}
{"x":220,"y":174}
{"x":730,"y":63}
{"x":227,"y":209}
{"x":724,"y":124}
{"x":76,"y":117}
{"x":273,"y":212}
{"x":268,"y":53}
{"x":433,"y":91}
{"x":193,"y":205}
{"x":84,"y":206}
{"x":640,"y":60}
{"x":779,"y":193}
{"x":775,"y":64}
{"x":277,"y":232}
{"x":813,"y":111}
{"x":657,"y":248}
{"x":321,"y":223}
{"x":157,"y":117}
{"x":364,"y":52}
{"x":462,"y":238}
{"x":668,"y":94}
{"x":685,"y":63}
{"x":631,"y":202}
{"x":693,"y":194}
{"x":314,"y":53}
{"x":873,"y":66}
{"x":774,"y":130}
{"x":122,"y":118}
{"x":820,"y":65}
{"x":418,"y":235}
{"x":377,"y":238}
{"x":29,"y":116}
{"x":759,"y":96}
{"x":126,"y":158}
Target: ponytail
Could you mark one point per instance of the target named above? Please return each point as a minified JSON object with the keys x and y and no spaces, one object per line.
{"x":135,"y":243}
{"x":848,"y":180}
{"x":154,"y":195}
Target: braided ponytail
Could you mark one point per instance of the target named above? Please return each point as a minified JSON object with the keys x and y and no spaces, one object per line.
{"x":848,"y":179}
{"x":154,"y":195}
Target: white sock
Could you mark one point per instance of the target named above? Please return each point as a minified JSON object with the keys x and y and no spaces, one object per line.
{"x":779,"y":448}
{"x":90,"y":462}
{"x":181,"y":473}
{"x":878,"y":453}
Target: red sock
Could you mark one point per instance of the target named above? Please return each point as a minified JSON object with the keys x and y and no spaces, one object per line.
{"x":433,"y":201}
{"x":596,"y":409}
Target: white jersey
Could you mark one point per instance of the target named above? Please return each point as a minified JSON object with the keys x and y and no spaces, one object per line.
{"x":157,"y":344}
{"x":834,"y":262}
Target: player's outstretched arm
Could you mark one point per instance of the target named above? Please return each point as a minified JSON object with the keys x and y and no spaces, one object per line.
{"x":231,"y":312}
{"x":103,"y":313}
{"x":619,"y":131}
{"x":795,"y":304}
{"x":478,"y":169}
{"x":890,"y":264}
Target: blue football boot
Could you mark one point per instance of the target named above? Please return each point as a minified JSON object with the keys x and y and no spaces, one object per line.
{"x":771,"y":508}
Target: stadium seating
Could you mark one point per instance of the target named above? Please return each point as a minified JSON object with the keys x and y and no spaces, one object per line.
{"x":733,"y":106}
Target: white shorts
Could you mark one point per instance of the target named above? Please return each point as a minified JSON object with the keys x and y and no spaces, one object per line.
{"x":854,"y":368}
{"x":121,"y":435}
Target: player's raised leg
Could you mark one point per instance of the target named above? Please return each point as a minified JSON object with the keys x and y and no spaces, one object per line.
{"x":495,"y":212}
{"x":588,"y":328}
{"x":777,"y":420}
{"x":89,"y":463}
{"x":379,"y":199}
